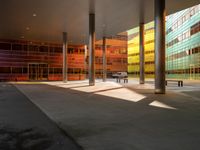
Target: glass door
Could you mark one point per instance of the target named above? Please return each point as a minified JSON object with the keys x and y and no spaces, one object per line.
{"x":33,"y":68}
{"x":192,"y":71}
{"x":42,"y":71}
{"x":38,"y":71}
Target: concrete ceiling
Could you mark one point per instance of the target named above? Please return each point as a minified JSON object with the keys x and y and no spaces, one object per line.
{"x":55,"y":16}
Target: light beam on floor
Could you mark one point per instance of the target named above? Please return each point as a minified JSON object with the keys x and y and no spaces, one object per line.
{"x":161,"y":105}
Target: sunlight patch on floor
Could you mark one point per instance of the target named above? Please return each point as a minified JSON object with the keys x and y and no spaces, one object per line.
{"x":27,"y":82}
{"x":161,"y":105}
{"x":109,"y":88}
{"x":101,"y":86}
{"x":69,"y":84}
{"x":123,"y":93}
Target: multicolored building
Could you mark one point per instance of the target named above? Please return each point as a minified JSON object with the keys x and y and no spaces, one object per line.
{"x":182,"y":46}
{"x":116,"y":54}
{"x":133,"y":51}
{"x":22,"y":60}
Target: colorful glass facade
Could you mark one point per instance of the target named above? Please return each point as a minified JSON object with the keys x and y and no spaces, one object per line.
{"x":182,"y":46}
{"x":116,"y":53}
{"x":29,"y":60}
{"x":22,"y":60}
{"x":133,"y":51}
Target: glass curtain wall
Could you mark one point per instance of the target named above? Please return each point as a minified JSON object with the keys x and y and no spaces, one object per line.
{"x":182,"y":46}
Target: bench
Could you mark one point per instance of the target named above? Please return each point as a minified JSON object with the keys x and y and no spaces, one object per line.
{"x":180,"y":82}
{"x":123,"y":78}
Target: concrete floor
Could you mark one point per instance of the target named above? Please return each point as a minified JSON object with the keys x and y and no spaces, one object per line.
{"x":25,"y":127}
{"x":111,"y":116}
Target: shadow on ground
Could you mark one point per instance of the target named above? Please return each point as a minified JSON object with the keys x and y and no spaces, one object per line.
{"x":27,"y":139}
{"x":25,"y":127}
{"x":98,"y":121}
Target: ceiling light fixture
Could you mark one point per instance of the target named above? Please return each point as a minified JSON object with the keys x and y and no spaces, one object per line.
{"x":27,"y":28}
{"x":34,"y":14}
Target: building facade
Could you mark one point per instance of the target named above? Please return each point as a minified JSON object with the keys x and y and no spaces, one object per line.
{"x":133,"y":51}
{"x":22,"y":60}
{"x":116,"y":54}
{"x":182,"y":46}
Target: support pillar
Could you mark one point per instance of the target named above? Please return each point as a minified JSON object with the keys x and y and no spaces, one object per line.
{"x":142,"y":71}
{"x":104,"y":60}
{"x":160,"y":46}
{"x":65,"y":68}
{"x":85,"y":62}
{"x":91,"y":49}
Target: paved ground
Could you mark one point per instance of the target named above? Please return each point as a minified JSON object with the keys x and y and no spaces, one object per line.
{"x":24,"y":127}
{"x":111,"y":116}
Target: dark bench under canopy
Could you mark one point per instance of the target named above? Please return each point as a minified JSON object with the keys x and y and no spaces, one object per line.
{"x":180,"y":82}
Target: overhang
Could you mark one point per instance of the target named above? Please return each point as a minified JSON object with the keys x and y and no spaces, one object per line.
{"x":56,"y":16}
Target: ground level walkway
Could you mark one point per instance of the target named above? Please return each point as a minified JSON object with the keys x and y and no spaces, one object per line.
{"x":113,"y":116}
{"x":23,"y":126}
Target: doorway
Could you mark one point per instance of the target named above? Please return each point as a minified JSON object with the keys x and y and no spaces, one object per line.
{"x":38,"y":71}
{"x":192,"y":71}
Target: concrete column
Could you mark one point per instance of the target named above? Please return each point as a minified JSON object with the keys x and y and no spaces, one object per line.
{"x":160,"y":46}
{"x":91,"y":49}
{"x":65,"y":68}
{"x":104,"y":60}
{"x":85,"y":62}
{"x":142,"y":71}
